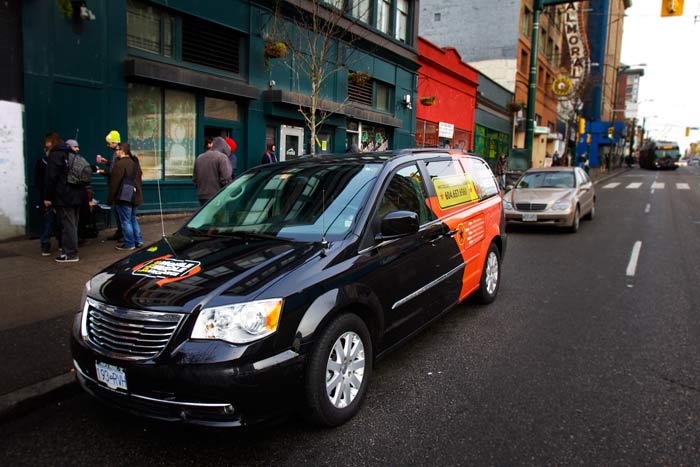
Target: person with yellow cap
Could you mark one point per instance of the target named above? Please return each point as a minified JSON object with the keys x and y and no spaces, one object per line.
{"x":112,"y":139}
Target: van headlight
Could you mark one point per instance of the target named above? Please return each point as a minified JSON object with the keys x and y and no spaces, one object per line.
{"x":561,"y":206}
{"x":240,"y":323}
{"x":83,"y":299}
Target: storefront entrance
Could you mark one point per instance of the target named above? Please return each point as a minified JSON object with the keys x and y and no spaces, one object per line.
{"x":291,"y":142}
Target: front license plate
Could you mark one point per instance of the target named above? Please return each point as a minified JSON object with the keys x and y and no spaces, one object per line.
{"x":114,"y":377}
{"x":529,"y":217}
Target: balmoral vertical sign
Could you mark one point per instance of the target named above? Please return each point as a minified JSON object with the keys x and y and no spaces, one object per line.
{"x":565,"y":86}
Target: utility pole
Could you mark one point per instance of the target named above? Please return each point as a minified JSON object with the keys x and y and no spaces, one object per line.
{"x":532,"y":80}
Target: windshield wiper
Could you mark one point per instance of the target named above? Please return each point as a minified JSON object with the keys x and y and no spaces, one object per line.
{"x":257,"y":235}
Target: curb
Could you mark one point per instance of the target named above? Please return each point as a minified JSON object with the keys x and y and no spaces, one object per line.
{"x":31,"y":397}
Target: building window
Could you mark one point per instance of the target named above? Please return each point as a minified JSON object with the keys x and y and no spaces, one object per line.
{"x":557,"y":57}
{"x":161,"y":129}
{"x":149,"y":29}
{"x":382,"y":96}
{"x":543,"y":40}
{"x":426,"y":134}
{"x":550,"y":49}
{"x":210,"y":44}
{"x":384,"y":16}
{"x":220,"y":109}
{"x":526,"y":22}
{"x":402,"y":20}
{"x":524,"y":62}
{"x":540,"y":76}
{"x":362,"y":10}
{"x":437,"y":17}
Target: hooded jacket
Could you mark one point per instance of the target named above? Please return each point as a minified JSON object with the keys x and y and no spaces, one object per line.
{"x":56,"y":187}
{"x":212,"y":170}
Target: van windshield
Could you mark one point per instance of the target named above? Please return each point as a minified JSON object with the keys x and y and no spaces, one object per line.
{"x":288,"y":201}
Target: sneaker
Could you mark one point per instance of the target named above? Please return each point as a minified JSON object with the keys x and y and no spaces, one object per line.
{"x":46,"y":250}
{"x":66,"y":259}
{"x":139,"y":245}
{"x":125,"y":248}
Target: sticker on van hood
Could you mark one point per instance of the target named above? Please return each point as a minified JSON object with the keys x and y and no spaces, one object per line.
{"x":167,"y":268}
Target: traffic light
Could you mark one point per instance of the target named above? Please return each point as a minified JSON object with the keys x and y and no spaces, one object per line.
{"x":671,"y":7}
{"x":581,"y":125}
{"x":611,"y":132}
{"x":687,"y":131}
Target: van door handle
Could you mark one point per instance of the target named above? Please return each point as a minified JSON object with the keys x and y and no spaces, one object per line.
{"x":451,"y":233}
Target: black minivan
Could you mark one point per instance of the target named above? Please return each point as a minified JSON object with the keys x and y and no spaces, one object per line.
{"x":282,"y":290}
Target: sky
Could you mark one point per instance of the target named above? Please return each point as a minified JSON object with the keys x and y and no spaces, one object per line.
{"x":670,"y":46}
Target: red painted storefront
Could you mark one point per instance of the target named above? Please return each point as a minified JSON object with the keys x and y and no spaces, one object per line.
{"x":444,"y":76}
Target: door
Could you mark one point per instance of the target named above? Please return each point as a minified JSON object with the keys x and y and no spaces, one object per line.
{"x":407,"y":277}
{"x":291,"y":142}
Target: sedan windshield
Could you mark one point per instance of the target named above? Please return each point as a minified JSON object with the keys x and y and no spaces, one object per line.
{"x":298,"y":202}
{"x":549,"y":179}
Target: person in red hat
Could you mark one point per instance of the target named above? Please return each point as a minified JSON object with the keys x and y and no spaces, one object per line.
{"x":231,"y":156}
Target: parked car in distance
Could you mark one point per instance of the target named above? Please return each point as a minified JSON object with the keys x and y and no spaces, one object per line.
{"x":282,"y":290}
{"x":558,"y":196}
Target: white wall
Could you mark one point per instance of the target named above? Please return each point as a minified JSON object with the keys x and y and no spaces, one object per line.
{"x":13,"y":196}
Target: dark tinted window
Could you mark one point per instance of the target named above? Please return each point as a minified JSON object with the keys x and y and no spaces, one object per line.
{"x":405,"y":192}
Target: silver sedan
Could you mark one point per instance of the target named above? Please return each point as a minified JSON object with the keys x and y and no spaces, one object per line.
{"x":558,"y":196}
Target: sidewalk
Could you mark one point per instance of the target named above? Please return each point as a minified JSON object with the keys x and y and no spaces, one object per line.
{"x":40,"y":298}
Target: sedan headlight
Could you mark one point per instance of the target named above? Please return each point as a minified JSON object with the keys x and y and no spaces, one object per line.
{"x":507,"y":204}
{"x":561,"y":206}
{"x":240,"y":323}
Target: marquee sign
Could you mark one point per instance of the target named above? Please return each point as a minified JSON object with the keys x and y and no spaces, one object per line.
{"x":578,"y":50}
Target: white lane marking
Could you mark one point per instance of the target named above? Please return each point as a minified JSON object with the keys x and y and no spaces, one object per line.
{"x":611,"y":185}
{"x":634,"y":257}
{"x":634,"y":185}
{"x":647,"y":209}
{"x":658,"y":185}
{"x":682,"y":186}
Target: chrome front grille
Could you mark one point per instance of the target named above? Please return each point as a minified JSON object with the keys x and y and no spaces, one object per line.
{"x":128,"y":334}
{"x":531,"y":206}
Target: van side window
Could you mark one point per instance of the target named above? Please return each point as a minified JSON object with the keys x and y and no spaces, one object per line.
{"x":482,"y":175}
{"x":453,"y":186}
{"x":406,"y":192}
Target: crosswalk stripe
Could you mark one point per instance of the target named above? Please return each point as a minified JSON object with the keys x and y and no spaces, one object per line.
{"x":611,"y":185}
{"x":633,"y":186}
{"x":658,"y":186}
{"x":682,"y":186}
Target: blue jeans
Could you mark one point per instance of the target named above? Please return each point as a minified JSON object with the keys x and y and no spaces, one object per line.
{"x":48,"y":219}
{"x":130,"y":226}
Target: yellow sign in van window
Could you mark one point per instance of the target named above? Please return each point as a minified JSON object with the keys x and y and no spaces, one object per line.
{"x":454,"y":190}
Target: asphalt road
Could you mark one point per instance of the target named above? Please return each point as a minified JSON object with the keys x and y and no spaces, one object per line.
{"x":583,"y":359}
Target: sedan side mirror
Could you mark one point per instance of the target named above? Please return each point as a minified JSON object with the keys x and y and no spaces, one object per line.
{"x":398,"y":224}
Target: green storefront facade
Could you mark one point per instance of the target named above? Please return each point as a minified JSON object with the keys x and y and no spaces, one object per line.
{"x":168,"y":73}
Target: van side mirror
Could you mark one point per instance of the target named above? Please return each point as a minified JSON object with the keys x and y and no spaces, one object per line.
{"x":398,"y":224}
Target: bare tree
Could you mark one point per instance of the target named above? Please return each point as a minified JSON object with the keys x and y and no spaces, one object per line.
{"x":319,"y":36}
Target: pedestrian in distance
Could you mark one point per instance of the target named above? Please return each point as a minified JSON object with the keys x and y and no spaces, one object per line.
{"x":501,"y":170}
{"x":86,"y":225}
{"x":65,"y":198}
{"x":125,"y":194}
{"x":208,"y":142}
{"x":212,"y":170}
{"x":556,"y":159}
{"x":270,"y":156}
{"x":49,"y":224}
{"x":112,"y":139}
{"x":232,"y":159}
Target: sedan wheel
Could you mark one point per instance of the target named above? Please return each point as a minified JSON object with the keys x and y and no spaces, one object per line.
{"x":338,"y":371}
{"x":591,"y":213}
{"x":573,"y":228}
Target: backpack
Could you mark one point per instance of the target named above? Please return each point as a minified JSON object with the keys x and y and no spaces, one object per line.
{"x":79,"y":170}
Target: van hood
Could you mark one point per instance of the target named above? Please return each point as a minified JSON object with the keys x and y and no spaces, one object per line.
{"x":178,"y":273}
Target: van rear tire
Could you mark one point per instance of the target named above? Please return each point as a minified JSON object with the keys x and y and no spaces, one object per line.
{"x":490,"y":276}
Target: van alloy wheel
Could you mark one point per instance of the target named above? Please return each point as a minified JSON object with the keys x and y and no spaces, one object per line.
{"x":345,"y":369}
{"x":491,"y":272}
{"x":490,"y":276}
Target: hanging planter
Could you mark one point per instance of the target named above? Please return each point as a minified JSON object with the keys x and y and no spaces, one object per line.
{"x":275,"y":49}
{"x":427,"y":100}
{"x":359,"y":78}
{"x":516,"y":106}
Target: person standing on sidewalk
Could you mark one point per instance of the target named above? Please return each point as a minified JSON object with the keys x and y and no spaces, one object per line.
{"x":112,"y":139}
{"x":48,"y":214}
{"x":125,"y":195}
{"x":231,"y":154}
{"x":64,"y":198}
{"x":270,"y":156}
{"x":501,"y":170}
{"x":212,"y":170}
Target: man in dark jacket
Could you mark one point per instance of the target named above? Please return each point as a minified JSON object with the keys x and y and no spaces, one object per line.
{"x":64,"y":198}
{"x":212,"y":170}
{"x":48,"y":214}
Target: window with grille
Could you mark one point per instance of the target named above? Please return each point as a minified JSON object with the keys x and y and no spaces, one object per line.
{"x":210,"y":44}
{"x":360,"y":93}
